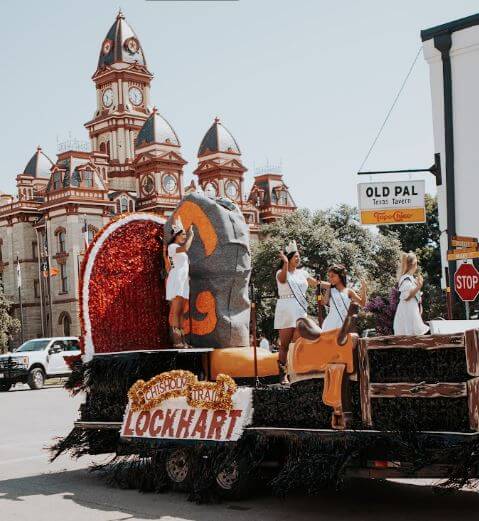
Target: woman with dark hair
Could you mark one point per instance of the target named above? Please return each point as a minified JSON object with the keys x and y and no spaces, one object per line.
{"x":178,"y":283}
{"x":339,"y":297}
{"x":292,"y":283}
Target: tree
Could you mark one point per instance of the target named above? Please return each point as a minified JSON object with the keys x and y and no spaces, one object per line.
{"x":324,"y":238}
{"x":423,"y":239}
{"x":8,"y":324}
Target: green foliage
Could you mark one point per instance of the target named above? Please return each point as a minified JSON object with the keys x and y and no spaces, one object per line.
{"x":8,"y":324}
{"x":423,"y":239}
{"x":324,"y":238}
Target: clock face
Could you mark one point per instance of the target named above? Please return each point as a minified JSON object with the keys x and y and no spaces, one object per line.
{"x":148,"y":185}
{"x":106,"y":46}
{"x":135,"y":96}
{"x":210,"y":190}
{"x":132,"y":45}
{"x":169,"y":183}
{"x":231,"y":190}
{"x":107,"y":97}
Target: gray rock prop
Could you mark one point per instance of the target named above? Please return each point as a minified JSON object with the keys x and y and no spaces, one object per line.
{"x":225,"y":273}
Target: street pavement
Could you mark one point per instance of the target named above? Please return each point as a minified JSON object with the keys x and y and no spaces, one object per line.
{"x":33,"y":489}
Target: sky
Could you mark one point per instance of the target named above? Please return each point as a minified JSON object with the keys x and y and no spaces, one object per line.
{"x":305,"y":83}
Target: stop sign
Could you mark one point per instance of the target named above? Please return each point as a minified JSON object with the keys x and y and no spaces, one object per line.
{"x":466,"y":282}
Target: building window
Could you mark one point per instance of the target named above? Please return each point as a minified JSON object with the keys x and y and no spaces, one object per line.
{"x":63,"y":278}
{"x":35,"y":250}
{"x":57,"y":180}
{"x":283,"y":198}
{"x":123,"y":204}
{"x":61,"y":242}
{"x":88,"y":179}
{"x":66,"y":322}
{"x":91,"y":233}
{"x":36,"y":288}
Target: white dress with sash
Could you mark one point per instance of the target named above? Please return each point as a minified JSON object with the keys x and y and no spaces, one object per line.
{"x":288,"y":309}
{"x":408,"y":320}
{"x":338,"y":309}
{"x":178,"y":281}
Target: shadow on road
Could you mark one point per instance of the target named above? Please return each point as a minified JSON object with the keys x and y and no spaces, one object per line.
{"x":359,"y":500}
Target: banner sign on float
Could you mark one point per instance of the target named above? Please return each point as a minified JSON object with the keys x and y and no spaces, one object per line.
{"x":175,"y":406}
{"x":397,"y":202}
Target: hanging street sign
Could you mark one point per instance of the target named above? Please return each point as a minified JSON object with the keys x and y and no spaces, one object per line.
{"x":466,"y":282}
{"x":396,"y":202}
{"x":464,"y":242}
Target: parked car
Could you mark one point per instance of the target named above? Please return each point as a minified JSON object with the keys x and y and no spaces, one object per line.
{"x":36,"y":360}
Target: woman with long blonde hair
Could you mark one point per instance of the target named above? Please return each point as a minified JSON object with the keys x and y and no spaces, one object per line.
{"x":408,"y":320}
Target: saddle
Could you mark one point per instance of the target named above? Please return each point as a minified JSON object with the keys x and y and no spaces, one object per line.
{"x":330,"y":355}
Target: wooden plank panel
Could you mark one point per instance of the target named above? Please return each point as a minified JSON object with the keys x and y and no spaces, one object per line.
{"x":415,"y":390}
{"x":364,"y":382}
{"x":472,"y":351}
{"x":416,"y":342}
{"x":473,"y":403}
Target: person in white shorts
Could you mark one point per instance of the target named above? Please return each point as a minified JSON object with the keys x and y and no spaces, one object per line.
{"x":178,"y":281}
{"x":292,"y":282}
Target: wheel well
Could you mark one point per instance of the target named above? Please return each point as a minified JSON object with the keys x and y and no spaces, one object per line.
{"x":37,"y":366}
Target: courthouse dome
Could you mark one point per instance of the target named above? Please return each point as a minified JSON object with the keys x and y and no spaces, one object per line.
{"x":157,"y":130}
{"x":218,"y":139}
{"x":121,"y":45}
{"x":39,"y":165}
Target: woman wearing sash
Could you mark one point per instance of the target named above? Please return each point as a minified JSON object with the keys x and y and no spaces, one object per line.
{"x":178,"y":281}
{"x":339,"y":297}
{"x":408,"y":320}
{"x":292,"y":283}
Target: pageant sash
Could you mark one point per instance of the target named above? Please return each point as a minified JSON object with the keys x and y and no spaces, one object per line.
{"x":296,"y":291}
{"x":339,"y":303}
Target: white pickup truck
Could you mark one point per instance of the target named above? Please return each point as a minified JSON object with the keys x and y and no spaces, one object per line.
{"x":36,"y":360}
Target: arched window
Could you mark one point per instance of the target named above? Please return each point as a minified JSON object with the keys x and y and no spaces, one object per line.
{"x":57,"y":180}
{"x":88,"y":179}
{"x":123,"y":204}
{"x":62,"y":241}
{"x":66,"y":322}
{"x":91,"y":233}
{"x":130,"y":206}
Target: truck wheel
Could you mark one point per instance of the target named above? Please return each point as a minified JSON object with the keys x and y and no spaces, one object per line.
{"x":235,"y":481}
{"x":36,"y":378}
{"x":179,"y":468}
{"x":5,"y":387}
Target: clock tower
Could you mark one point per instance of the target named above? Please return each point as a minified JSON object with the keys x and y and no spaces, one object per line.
{"x":122,"y":83}
{"x":220,"y":170}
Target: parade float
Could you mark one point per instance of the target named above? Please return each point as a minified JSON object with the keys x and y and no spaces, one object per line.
{"x":211,"y":420}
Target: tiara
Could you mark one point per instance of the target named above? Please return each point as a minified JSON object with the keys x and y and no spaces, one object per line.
{"x":292,"y":247}
{"x":177,"y":226}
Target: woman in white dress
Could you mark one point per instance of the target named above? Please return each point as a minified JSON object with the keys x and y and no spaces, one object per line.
{"x":178,"y":281}
{"x":339,"y":297}
{"x":408,"y":320}
{"x":292,"y":283}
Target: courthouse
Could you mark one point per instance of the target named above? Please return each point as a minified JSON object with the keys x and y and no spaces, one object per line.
{"x":135,"y":163}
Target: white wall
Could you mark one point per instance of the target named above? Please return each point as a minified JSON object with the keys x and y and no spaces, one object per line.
{"x":465,"y":91}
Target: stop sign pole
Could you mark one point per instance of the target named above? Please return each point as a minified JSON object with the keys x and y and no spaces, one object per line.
{"x":466,"y":284}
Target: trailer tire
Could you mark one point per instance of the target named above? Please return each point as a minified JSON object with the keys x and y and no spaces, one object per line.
{"x":179,"y":468}
{"x":235,"y":481}
{"x":4,"y":387}
{"x":36,"y":378}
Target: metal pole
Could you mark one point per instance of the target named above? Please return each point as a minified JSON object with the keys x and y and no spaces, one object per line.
{"x":19,"y":284}
{"x":448,"y":293}
{"x":40,"y":282}
{"x":468,"y":312}
{"x":319,"y":300}
{"x":49,"y":285}
{"x":253,"y":327}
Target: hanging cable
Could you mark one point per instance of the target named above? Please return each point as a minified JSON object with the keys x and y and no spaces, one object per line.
{"x":391,"y":109}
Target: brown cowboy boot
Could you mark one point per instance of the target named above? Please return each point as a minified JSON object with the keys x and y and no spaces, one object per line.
{"x":283,"y":373}
{"x":183,"y":339}
{"x":176,"y":337}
